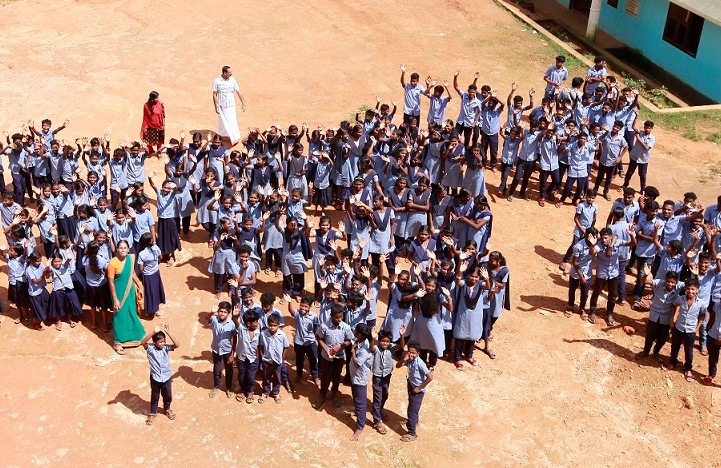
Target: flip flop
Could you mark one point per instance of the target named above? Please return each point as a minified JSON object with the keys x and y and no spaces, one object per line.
{"x":249,"y":400}
{"x":459,"y":365}
{"x":239,"y":398}
{"x":120,"y":350}
{"x":151,"y":419}
{"x":17,"y":321}
{"x":689,"y":377}
{"x":277,"y":399}
{"x":170,"y":414}
{"x":73,"y":324}
{"x":408,"y":438}
{"x":261,"y":399}
{"x":381,"y":428}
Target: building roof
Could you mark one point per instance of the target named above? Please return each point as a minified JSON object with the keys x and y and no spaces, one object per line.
{"x":708,"y":9}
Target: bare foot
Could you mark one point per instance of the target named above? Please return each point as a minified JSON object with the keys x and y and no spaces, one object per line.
{"x":59,"y":326}
{"x":356,"y":435}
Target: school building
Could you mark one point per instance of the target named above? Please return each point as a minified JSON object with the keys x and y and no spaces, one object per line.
{"x":681,"y":37}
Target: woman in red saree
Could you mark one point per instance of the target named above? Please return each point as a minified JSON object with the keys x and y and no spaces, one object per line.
{"x":153,"y":130}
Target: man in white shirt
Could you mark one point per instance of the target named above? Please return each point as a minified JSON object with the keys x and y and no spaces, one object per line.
{"x":224,"y":89}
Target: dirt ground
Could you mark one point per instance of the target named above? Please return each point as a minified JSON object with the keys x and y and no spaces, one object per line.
{"x":562,"y":392}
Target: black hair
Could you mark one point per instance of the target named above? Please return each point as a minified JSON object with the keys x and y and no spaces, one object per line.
{"x":691,"y":282}
{"x":363,"y":330}
{"x":146,"y":240}
{"x":618,"y":213}
{"x":629,"y":191}
{"x":672,"y":275}
{"x":306,"y":300}
{"x":336,"y":309}
{"x":250,"y":316}
{"x":274,"y":319}
{"x":414,"y":345}
{"x":606,"y":232}
{"x":676,"y":245}
{"x":225,"y":305}
{"x":578,"y":81}
{"x":92,"y":253}
{"x":385,"y":334}
{"x":267,"y":298}
{"x":158,"y":336}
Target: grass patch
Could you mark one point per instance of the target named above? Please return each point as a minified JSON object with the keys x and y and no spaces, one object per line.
{"x":696,"y":126}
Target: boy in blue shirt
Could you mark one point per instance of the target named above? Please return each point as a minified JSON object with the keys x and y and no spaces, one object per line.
{"x":687,"y":319}
{"x":223,"y":330}
{"x":272,"y":346}
{"x":418,"y":378}
{"x":411,"y":97}
{"x":160,"y":373}
{"x":491,"y":110}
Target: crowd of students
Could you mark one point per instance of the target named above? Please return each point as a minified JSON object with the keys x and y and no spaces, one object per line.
{"x":406,"y":193}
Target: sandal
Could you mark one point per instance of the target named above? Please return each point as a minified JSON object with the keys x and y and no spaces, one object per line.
{"x":261,"y":399}
{"x":277,"y":399}
{"x":93,"y":327}
{"x":708,"y":380}
{"x":267,"y":271}
{"x":212,"y":393}
{"x":249,"y":400}
{"x":472,"y":361}
{"x":17,"y":320}
{"x":689,"y":377}
{"x":120,"y":350}
{"x":381,"y":428}
{"x":592,"y":318}
{"x":239,"y":398}
{"x":542,"y":202}
{"x":170,"y":414}
{"x":72,"y":324}
{"x":151,"y":419}
{"x":568,"y":312}
{"x":459,"y":365}
{"x":409,"y":438}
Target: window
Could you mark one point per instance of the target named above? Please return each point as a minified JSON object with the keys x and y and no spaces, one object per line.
{"x":613,"y":3}
{"x":683,"y":29}
{"x":632,"y":7}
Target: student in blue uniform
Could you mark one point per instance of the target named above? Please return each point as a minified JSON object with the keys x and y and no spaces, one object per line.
{"x":149,"y":272}
{"x":418,"y":378}
{"x":272,"y":346}
{"x":223,"y":328}
{"x":161,"y":376}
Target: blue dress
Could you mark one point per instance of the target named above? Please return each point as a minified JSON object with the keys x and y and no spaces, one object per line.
{"x":428,"y":326}
{"x":293,"y":261}
{"x":206,"y":216}
{"x":399,"y":201}
{"x":381,"y":235}
{"x":399,"y":313}
{"x":469,"y":312}
{"x":416,"y":219}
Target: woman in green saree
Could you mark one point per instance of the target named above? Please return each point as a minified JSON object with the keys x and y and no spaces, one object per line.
{"x":124,"y":285}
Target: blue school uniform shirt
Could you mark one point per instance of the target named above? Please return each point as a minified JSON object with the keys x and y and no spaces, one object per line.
{"x":412,"y":99}
{"x":586,"y":214}
{"x":143,"y":222}
{"x":305,"y":326}
{"x":332,"y":335}
{"x":382,"y":362}
{"x":669,"y":263}
{"x":555,"y":75}
{"x":68,"y":166}
{"x":490,"y":122}
{"x":645,"y":248}
{"x":322,"y":175}
{"x":607,"y":267}
{"x":620,"y":230}
{"x":510,"y":150}
{"x":61,"y":277}
{"x":17,"y":160}
{"x":360,"y":370}
{"x":640,"y":154}
{"x":584,"y":255}
{"x":468,"y":111}
{"x":273,"y":346}
{"x":159,"y":361}
{"x":437,"y":109}
{"x":630,"y":212}
{"x":611,"y":149}
{"x":118,"y":173}
{"x":594,"y":73}
{"x":40,"y":164}
{"x":417,"y":372}
{"x":263,"y":320}
{"x":167,"y":207}
{"x":714,"y":330}
{"x":222,"y":343}
{"x":581,"y":112}
{"x":529,"y":148}
{"x":247,"y":347}
{"x":8,"y":213}
{"x":577,"y":159}
{"x":663,"y":301}
{"x":46,"y":137}
{"x":122,"y":231}
{"x":95,"y":279}
{"x":216,"y":158}
{"x":136,"y":167}
{"x":549,"y":154}
{"x":16,"y":269}
{"x":33,"y":272}
{"x":672,"y":227}
{"x":355,"y":316}
{"x":149,"y":259}
{"x":688,"y":316}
